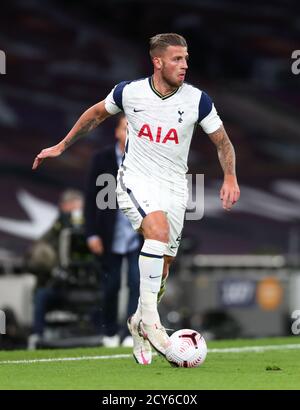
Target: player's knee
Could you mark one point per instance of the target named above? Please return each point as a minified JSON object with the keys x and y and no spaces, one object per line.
{"x":158,"y":232}
{"x":156,"y":226}
{"x":163,"y":235}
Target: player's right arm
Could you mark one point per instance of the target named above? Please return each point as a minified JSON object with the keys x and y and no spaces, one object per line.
{"x":89,"y":120}
{"x":213,"y":126}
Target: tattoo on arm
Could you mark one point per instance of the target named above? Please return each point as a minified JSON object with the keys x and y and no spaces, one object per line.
{"x":84,"y":127}
{"x":225,"y":150}
{"x":89,"y":120}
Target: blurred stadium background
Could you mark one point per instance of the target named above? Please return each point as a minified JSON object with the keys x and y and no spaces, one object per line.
{"x":237,"y":273}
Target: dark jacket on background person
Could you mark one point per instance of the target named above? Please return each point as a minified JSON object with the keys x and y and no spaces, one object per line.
{"x":99,"y":222}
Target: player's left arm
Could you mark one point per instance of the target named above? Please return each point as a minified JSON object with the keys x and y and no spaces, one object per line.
{"x":230,"y":191}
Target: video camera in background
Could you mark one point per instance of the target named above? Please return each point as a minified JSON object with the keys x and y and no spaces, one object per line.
{"x":77,"y":264}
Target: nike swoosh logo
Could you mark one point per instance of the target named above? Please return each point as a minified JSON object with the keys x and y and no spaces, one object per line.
{"x":173,"y":247}
{"x":137,"y":110}
{"x":153,"y":277}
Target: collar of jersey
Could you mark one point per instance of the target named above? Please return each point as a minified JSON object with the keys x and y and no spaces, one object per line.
{"x":163,"y":97}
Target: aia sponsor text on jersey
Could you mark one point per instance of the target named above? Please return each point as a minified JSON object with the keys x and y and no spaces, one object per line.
{"x":157,"y":135}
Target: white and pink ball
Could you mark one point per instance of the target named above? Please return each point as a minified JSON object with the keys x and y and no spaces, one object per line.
{"x":188,"y":348}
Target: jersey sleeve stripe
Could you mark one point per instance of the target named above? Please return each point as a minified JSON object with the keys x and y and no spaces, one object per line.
{"x":205,"y":106}
{"x":118,"y":94}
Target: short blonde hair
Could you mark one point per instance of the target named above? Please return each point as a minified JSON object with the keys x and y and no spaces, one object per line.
{"x":160,"y":42}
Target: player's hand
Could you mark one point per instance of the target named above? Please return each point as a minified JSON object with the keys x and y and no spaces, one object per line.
{"x":51,"y":152}
{"x":95,"y":245}
{"x":230,"y":192}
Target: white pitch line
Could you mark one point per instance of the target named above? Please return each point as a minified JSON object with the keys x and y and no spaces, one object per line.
{"x":258,"y":349}
{"x":245,"y":349}
{"x":67,"y":359}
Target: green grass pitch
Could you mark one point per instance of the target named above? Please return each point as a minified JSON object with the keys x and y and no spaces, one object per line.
{"x":277,"y":367}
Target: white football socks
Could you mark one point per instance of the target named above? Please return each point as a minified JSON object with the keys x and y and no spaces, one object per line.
{"x":151,"y":264}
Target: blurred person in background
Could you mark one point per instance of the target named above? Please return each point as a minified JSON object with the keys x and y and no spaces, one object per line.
{"x":44,"y":257}
{"x":111,"y":237}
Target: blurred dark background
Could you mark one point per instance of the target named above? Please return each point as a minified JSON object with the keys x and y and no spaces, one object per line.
{"x":64,"y":56}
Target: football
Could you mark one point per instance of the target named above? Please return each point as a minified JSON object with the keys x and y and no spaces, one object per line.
{"x":188,"y":348}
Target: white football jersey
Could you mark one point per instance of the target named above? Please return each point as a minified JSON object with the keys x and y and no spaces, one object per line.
{"x":160,"y":128}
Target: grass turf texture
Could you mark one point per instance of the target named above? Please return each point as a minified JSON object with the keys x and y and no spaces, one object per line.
{"x":273,"y":369}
